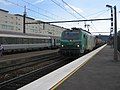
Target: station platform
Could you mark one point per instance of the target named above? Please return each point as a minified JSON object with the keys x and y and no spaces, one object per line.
{"x":101,"y":72}
{"x":94,"y":71}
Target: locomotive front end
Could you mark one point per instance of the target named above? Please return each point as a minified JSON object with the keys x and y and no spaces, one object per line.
{"x":70,"y":43}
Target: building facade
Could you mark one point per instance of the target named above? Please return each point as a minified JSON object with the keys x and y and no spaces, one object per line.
{"x":14,"y":23}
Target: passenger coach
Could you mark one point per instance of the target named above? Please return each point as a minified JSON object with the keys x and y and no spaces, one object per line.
{"x":26,"y":42}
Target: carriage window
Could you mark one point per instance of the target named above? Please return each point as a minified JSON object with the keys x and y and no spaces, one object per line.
{"x":84,"y":35}
{"x":18,"y":40}
{"x":46,"y":41}
{"x":1,"y":40}
{"x":42,"y":40}
{"x":4,"y":40}
{"x":25,"y":40}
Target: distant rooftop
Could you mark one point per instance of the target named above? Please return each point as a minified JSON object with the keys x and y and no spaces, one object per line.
{"x":4,"y":10}
{"x":18,"y":15}
{"x":30,"y":18}
{"x":22,"y":16}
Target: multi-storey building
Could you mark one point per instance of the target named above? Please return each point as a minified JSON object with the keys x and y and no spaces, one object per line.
{"x":14,"y":23}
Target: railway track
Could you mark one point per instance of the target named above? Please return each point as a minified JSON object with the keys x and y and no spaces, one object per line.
{"x":14,"y":69}
{"x":24,"y":73}
{"x":27,"y":62}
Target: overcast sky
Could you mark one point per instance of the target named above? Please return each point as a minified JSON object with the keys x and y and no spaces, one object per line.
{"x":57,"y":10}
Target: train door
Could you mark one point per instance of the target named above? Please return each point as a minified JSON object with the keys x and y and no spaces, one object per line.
{"x":52,"y":43}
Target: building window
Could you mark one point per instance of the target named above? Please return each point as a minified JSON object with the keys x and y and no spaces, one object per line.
{"x":11,"y":22}
{"x":10,"y":27}
{"x":4,"y":26}
{"x":43,"y":26}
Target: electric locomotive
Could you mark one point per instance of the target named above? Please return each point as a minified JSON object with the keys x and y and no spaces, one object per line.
{"x":76,"y":41}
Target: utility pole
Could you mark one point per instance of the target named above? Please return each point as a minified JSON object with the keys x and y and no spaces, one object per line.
{"x":24,"y":16}
{"x":115,"y":35}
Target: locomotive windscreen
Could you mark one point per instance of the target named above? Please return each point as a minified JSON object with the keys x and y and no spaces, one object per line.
{"x":70,"y":35}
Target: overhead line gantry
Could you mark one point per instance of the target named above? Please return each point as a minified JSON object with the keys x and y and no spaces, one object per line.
{"x":38,"y":22}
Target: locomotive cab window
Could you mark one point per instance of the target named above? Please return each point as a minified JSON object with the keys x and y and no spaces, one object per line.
{"x":70,"y":35}
{"x":84,"y":36}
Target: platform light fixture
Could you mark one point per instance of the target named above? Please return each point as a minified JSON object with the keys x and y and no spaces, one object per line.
{"x":109,"y":6}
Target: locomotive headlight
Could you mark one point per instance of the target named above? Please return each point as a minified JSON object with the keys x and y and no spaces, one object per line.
{"x":62,"y":45}
{"x":78,"y":45}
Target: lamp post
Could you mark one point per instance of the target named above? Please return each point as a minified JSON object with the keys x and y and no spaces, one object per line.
{"x":115,"y":30}
{"x":115,"y":35}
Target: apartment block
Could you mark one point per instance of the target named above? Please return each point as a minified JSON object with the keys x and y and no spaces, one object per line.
{"x":14,"y":23}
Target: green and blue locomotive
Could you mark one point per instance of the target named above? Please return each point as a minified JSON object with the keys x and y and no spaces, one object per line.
{"x":76,"y":41}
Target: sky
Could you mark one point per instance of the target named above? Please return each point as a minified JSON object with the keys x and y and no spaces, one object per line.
{"x":59,"y":10}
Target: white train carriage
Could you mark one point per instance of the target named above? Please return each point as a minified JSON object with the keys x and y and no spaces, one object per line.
{"x":24,"y":42}
{"x":55,"y":42}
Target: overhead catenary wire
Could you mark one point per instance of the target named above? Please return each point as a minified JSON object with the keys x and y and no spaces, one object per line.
{"x":16,"y":4}
{"x":73,"y":9}
{"x":58,"y":4}
{"x":43,"y":9}
{"x":38,"y":12}
{"x":63,"y":8}
{"x":99,"y":12}
{"x":77,"y":12}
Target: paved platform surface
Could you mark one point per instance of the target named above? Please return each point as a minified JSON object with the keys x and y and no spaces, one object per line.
{"x":100,"y":73}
